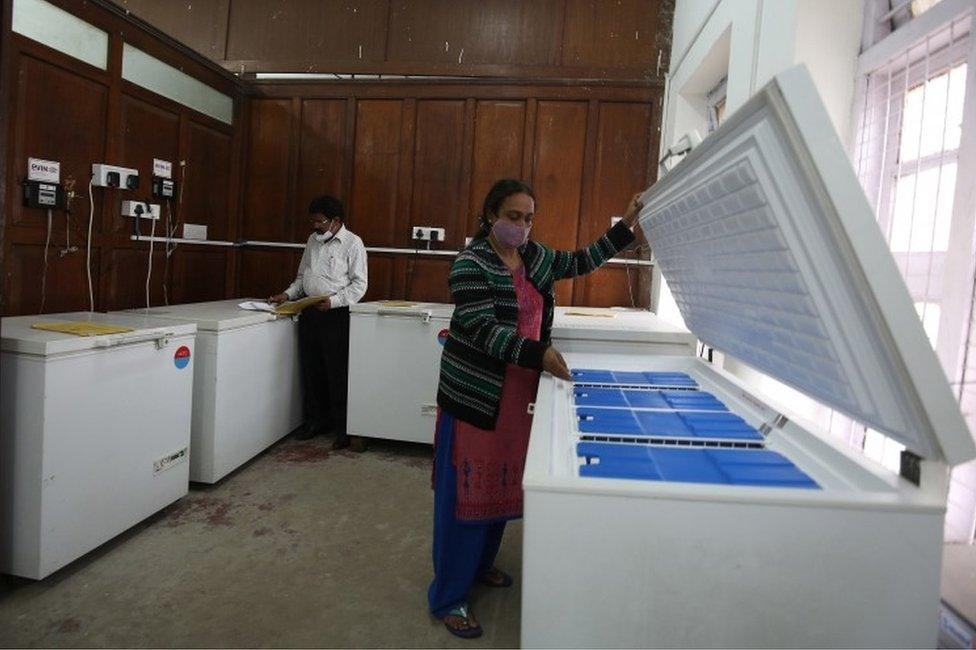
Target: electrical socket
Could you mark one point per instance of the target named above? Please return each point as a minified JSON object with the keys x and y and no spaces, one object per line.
{"x":139,"y":209}
{"x":112,"y":176}
{"x":427,"y":233}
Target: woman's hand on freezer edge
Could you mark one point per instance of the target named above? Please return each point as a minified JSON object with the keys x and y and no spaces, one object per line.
{"x":633,"y":210}
{"x":554,"y":364}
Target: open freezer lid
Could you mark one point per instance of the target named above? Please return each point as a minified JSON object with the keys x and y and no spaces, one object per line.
{"x":214,"y":316}
{"x":617,"y":324}
{"x":774,"y":256}
{"x":17,"y":335}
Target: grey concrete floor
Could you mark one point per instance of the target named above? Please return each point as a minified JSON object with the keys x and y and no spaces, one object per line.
{"x":302,"y":547}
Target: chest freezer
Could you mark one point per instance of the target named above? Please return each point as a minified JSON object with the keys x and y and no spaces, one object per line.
{"x":667,"y":504}
{"x":584,"y":329}
{"x":94,"y":434}
{"x":394,"y":364}
{"x":246,"y":383}
{"x":395,"y":353}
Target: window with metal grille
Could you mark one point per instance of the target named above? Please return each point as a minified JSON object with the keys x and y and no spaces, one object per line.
{"x":914,"y":128}
{"x":915,"y":155}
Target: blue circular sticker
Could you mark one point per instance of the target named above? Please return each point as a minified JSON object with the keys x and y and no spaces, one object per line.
{"x":442,"y":336}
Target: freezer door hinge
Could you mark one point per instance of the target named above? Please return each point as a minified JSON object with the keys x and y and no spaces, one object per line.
{"x":911,"y":466}
{"x":777,"y":422}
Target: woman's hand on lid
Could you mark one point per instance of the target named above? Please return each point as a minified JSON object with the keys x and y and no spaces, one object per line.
{"x":554,"y":364}
{"x":633,"y":209}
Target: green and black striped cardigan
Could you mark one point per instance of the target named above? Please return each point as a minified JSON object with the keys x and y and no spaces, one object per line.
{"x":483,"y":336}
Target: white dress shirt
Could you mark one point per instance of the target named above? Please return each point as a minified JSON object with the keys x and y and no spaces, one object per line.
{"x":334,"y":268}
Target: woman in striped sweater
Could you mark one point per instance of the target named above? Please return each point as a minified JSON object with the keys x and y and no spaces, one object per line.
{"x":502,"y":286}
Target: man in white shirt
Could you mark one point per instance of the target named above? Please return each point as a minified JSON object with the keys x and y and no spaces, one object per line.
{"x":334,"y":267}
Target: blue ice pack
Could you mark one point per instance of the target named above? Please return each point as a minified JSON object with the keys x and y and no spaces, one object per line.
{"x":654,"y":424}
{"x":677,"y":400}
{"x":755,"y":467}
{"x":631,"y":378}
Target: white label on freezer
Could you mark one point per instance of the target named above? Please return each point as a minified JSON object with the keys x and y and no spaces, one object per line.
{"x":171,"y":460}
{"x":429,"y":410}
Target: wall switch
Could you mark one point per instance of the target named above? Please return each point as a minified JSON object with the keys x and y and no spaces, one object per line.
{"x":194,"y":231}
{"x":427,"y":233}
{"x":140,"y":209}
{"x":112,"y":176}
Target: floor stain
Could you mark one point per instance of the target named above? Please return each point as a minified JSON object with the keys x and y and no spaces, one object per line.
{"x":205,"y":510}
{"x":305,"y":452}
{"x":69,"y":625}
{"x":413,"y":462}
{"x":261,"y":532}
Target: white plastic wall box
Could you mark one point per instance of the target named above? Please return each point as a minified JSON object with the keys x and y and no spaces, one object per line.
{"x":773,"y":256}
{"x":246,"y":383}
{"x":94,"y":434}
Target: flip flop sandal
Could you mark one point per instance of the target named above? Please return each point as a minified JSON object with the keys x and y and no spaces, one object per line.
{"x":495,"y":577}
{"x":467,"y":632}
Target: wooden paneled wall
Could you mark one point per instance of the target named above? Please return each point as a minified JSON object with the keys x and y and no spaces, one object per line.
{"x":398,"y":153}
{"x":402,"y":155}
{"x":603,"y":39}
{"x":66,"y":110}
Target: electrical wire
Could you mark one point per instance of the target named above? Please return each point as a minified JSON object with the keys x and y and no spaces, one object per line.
{"x":630,"y":287}
{"x":91,"y":219}
{"x":152,"y":241}
{"x":169,"y":251}
{"x":68,"y":248}
{"x":636,"y":251}
{"x":47,"y":244}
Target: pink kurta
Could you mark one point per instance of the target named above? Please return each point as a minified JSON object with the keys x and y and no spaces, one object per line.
{"x":490,"y":463}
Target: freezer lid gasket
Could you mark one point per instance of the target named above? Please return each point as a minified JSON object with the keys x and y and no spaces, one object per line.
{"x":773,"y":255}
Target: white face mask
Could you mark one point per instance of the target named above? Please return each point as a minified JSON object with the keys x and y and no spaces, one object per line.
{"x":327,"y":235}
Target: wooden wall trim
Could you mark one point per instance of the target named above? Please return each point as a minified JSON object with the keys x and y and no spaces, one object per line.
{"x":622,"y":92}
{"x":490,"y":71}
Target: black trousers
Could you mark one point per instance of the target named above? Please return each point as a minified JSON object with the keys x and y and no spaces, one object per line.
{"x":323,"y":339}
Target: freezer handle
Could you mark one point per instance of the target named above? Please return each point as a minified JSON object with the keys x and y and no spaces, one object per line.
{"x":425,"y":314}
{"x":160,"y":338}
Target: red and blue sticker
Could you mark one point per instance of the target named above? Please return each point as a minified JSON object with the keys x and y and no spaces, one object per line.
{"x":181,"y":358}
{"x":442,"y":336}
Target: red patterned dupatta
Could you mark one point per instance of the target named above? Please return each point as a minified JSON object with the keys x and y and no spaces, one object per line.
{"x":489,"y":464}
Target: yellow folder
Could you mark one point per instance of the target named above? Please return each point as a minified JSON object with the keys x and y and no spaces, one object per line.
{"x":82,"y":328}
